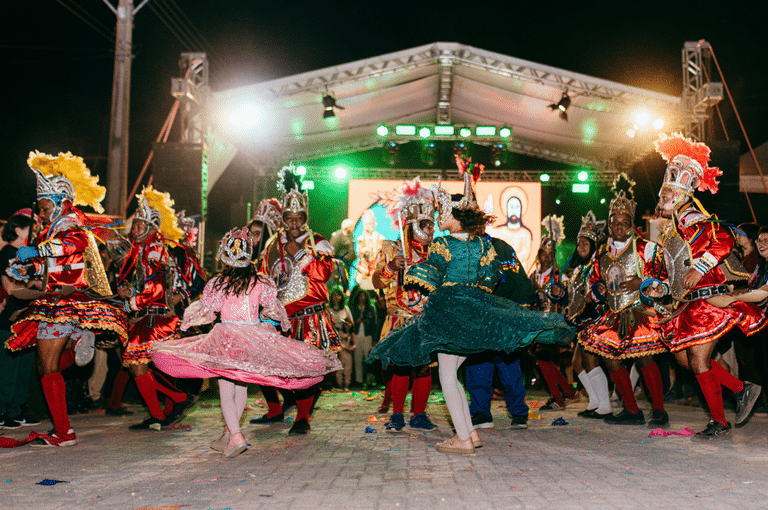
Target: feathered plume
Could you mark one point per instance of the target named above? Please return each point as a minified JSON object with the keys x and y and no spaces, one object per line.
{"x":288,"y":179}
{"x":87,"y":189}
{"x":677,"y":144}
{"x":410,"y":193}
{"x":474,"y":169}
{"x":623,"y":182}
{"x":163,"y":203}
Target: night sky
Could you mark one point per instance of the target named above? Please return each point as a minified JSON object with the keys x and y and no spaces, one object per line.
{"x":58,"y":76}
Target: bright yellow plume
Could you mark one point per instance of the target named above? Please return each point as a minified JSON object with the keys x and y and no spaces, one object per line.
{"x":162,"y":202}
{"x":87,"y":189}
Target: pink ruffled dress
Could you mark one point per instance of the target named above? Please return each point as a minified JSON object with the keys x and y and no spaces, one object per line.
{"x":243,"y":347}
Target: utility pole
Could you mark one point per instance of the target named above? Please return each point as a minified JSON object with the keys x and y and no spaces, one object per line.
{"x":117,"y":157}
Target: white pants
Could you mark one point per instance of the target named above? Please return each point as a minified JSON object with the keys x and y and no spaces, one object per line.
{"x":454,"y":394}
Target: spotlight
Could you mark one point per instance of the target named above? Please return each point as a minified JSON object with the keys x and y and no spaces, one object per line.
{"x":390,"y":155}
{"x":562,"y":105}
{"x":643,"y":118}
{"x":382,"y":130}
{"x":498,"y":154}
{"x":460,"y":149}
{"x":340,"y":172}
{"x":544,"y":177}
{"x":658,"y":124}
{"x":329,"y":102}
{"x":301,"y":170}
{"x":465,"y":132}
{"x":429,"y":154}
{"x":505,"y":132}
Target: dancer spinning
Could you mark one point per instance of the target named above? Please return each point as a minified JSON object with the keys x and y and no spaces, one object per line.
{"x":461,"y":316}
{"x":68,"y":311}
{"x":244,"y":347}
{"x":695,"y":247}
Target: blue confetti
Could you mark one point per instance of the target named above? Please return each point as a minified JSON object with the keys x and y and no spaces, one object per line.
{"x":47,"y":481}
{"x":370,"y":430}
{"x":559,"y":422}
{"x":8,"y":480}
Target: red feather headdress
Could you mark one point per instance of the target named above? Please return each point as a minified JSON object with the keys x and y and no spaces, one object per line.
{"x":678,"y":145}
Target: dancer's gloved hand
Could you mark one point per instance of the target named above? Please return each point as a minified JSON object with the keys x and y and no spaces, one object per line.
{"x":25,"y":253}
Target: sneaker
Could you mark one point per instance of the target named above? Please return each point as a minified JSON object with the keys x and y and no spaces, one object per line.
{"x":573,"y":399}
{"x":180,"y":409}
{"x":300,"y":427}
{"x":8,"y":423}
{"x":149,"y":423}
{"x":482,"y":421}
{"x":519,"y":422}
{"x":268,"y":420}
{"x":25,"y":420}
{"x":626,"y":418}
{"x":659,"y":418}
{"x":68,"y":439}
{"x":714,"y":430}
{"x":552,"y":405}
{"x":395,"y":424}
{"x":745,"y":400}
{"x":421,"y":422}
{"x":84,"y":348}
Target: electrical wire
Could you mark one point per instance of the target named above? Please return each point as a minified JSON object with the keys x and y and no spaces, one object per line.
{"x":101,"y":30}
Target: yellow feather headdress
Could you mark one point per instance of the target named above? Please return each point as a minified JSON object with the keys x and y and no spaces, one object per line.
{"x":86,"y":186}
{"x":163,"y":204}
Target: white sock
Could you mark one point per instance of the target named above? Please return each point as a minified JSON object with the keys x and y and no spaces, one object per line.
{"x":232,"y":404}
{"x":600,"y":385}
{"x":587,"y":383}
{"x":454,"y":394}
{"x":634,"y":375}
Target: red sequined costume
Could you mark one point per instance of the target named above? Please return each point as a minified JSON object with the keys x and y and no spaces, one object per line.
{"x":62,"y":246}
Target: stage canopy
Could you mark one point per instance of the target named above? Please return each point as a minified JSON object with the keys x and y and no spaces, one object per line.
{"x":442,"y":83}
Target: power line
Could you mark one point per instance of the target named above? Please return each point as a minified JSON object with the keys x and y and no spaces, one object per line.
{"x":178,"y":33}
{"x":109,"y":35}
{"x":208,"y":48}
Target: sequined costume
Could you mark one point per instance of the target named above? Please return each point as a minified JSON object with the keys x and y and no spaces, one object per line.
{"x":461,"y":315}
{"x":64,"y":247}
{"x":146,"y":269}
{"x":627,"y":329}
{"x":301,"y":286}
{"x":243,"y":347}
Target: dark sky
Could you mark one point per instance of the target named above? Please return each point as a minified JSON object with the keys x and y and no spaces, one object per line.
{"x":58,"y":74}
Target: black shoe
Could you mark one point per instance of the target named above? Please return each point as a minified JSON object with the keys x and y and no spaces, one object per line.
{"x":585,"y":412}
{"x":482,"y":421}
{"x":658,"y":419}
{"x":265,"y":420}
{"x":714,"y":430}
{"x":25,"y":420}
{"x":626,"y":418}
{"x":180,"y":409}
{"x":8,"y":423}
{"x":745,"y":400}
{"x":519,"y":423}
{"x":594,"y":415}
{"x":121,"y":411}
{"x":299,"y":427}
{"x":149,"y":423}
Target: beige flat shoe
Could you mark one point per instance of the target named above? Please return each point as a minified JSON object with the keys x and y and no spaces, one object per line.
{"x":475,"y":438}
{"x":220,"y":442}
{"x":455,"y":445}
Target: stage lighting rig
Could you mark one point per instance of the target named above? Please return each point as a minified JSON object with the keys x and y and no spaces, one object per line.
{"x":329,"y":102}
{"x":562,"y":105}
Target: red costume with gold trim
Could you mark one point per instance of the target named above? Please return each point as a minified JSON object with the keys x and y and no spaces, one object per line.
{"x":62,"y":247}
{"x":147,"y":270}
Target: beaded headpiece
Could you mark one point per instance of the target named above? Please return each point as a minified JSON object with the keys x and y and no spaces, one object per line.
{"x":236,"y":248}
{"x":156,"y":209}
{"x":65,"y":177}
{"x":269,"y":213}
{"x":623,"y":202}
{"x":591,"y":228}
{"x":555,"y":232}
{"x":413,"y":204}
{"x":687,"y":164}
{"x":289,"y":185}
{"x":471,"y":173}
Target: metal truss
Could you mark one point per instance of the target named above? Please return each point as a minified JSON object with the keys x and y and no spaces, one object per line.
{"x":699,"y":94}
{"x":445,"y":90}
{"x":192,"y":90}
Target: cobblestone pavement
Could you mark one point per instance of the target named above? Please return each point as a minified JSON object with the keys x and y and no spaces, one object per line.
{"x":584,"y":464}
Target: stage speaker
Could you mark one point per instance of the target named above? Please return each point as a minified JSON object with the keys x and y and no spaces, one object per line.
{"x":177,"y":169}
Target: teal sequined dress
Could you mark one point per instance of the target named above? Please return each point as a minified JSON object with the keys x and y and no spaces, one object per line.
{"x":461,"y":315}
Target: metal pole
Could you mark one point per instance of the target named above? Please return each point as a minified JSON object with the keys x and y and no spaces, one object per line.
{"x":117,"y":158}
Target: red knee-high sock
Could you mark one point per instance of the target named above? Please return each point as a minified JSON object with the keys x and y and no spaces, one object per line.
{"x":56,"y":395}
{"x":549,"y":371}
{"x":148,"y":389}
{"x":568,"y":390}
{"x":422,"y":386}
{"x":303,"y":408}
{"x":67,"y":360}
{"x":710,"y":387}
{"x":652,"y":378}
{"x":118,"y":388}
{"x":725,"y":377}
{"x":167,"y":388}
{"x":399,"y":386}
{"x":621,"y":379}
{"x":168,"y":407}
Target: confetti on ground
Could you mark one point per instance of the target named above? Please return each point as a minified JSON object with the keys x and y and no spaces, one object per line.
{"x":370,"y":430}
{"x":47,"y":481}
{"x":176,"y":507}
{"x":373,"y":396}
{"x":664,"y":433}
{"x":559,"y":422}
{"x":347,"y":404}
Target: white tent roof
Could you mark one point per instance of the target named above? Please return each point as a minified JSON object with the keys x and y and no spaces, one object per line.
{"x":438,"y":83}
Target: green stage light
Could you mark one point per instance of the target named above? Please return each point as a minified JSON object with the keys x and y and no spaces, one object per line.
{"x":441,"y":130}
{"x":425,"y":132}
{"x":465,"y":132}
{"x":305,"y":185}
{"x":404,"y":130}
{"x":340,"y":172}
{"x":382,"y":130}
{"x":301,"y":170}
{"x":602,"y":200}
{"x":583,"y":176}
{"x":485,"y":130}
{"x":557,"y":201}
{"x":580,"y":188}
{"x":505,"y":132}
{"x":544,"y":177}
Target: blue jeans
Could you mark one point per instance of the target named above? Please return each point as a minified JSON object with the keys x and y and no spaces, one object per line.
{"x":480,"y":370}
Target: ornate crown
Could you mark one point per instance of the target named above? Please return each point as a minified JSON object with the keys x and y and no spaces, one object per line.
{"x":66,"y":177}
{"x":555,"y":229}
{"x":413,"y":204}
{"x":687,"y":164}
{"x":623,"y":202}
{"x":236,"y":248}
{"x":471,"y":173}
{"x":54,"y":188}
{"x":269,"y":213}
{"x":289,"y":184}
{"x":591,"y":228}
{"x":156,"y":208}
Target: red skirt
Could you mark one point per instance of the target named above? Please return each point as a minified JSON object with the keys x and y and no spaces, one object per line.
{"x":314,"y":326}
{"x":702,"y":323}
{"x":77,"y":308}
{"x":627,"y":334}
{"x":144,"y":334}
